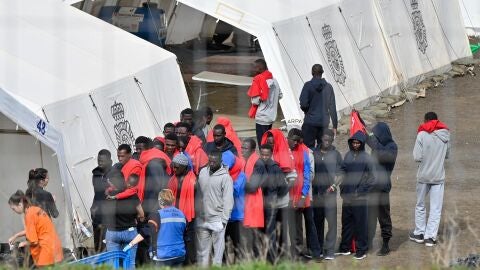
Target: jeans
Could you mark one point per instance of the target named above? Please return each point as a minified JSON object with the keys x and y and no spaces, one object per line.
{"x":379,"y":208}
{"x":312,"y":135}
{"x":117,"y":240}
{"x":295,"y":226}
{"x":205,"y":239}
{"x":173,"y":262}
{"x":326,"y":209}
{"x":276,"y":249}
{"x":260,"y":130}
{"x":355,"y":223}
{"x":428,"y":228}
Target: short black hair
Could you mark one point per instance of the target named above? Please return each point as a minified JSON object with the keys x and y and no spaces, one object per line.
{"x":295,"y":132}
{"x":105,"y":153}
{"x":168,"y":125}
{"x":262,"y":63}
{"x":251,"y":142}
{"x":186,"y":111}
{"x":431,"y":116}
{"x":317,"y":69}
{"x":125,"y":147}
{"x":216,"y":153}
{"x":328,"y":132}
{"x":219,"y":126}
{"x":171,"y":136}
{"x":145,"y":140}
{"x":207,"y":111}
{"x":185,"y":125}
{"x":266,"y":146}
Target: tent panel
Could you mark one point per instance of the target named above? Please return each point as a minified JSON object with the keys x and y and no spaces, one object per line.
{"x":186,"y":24}
{"x":471,"y":15}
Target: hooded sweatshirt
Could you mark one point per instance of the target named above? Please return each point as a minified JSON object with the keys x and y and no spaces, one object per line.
{"x":239,"y":178}
{"x":317,"y":101}
{"x":384,"y":154}
{"x":357,"y":169}
{"x":216,"y":195}
{"x":211,"y":146}
{"x":432,"y":147}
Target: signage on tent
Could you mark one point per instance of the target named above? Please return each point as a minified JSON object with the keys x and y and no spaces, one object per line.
{"x":334,"y":58}
{"x":42,"y":127}
{"x":419,"y":27}
{"x":123,"y":130}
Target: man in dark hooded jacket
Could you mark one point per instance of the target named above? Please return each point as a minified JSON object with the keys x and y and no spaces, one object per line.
{"x":384,"y":154}
{"x":357,"y":178}
{"x":317,"y":101}
{"x":220,"y":142}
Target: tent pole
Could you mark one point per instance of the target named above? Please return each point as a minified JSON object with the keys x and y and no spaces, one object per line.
{"x":101,"y":120}
{"x":137,"y":82}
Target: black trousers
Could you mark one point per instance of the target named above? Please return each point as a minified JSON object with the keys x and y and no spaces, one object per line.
{"x":379,"y":209}
{"x":355,"y":223}
{"x":296,"y":231}
{"x":261,"y":129}
{"x":255,"y":242}
{"x":276,"y":249}
{"x":190,"y":244}
{"x":325,"y":208}
{"x":99,"y":232}
{"x":312,"y":135}
{"x":236,"y":232}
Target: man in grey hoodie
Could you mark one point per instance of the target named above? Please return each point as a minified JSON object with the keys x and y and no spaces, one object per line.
{"x":432,"y":147}
{"x":215,"y":198}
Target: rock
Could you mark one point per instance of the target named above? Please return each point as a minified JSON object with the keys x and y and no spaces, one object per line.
{"x":467,"y":62}
{"x":414,"y":89}
{"x":387,"y":100}
{"x":344,"y":121}
{"x":425,"y":84}
{"x":345,"y":129}
{"x":455,"y":74}
{"x":459,"y":68}
{"x":399,"y":103}
{"x":382,"y":113}
{"x":411,"y":95}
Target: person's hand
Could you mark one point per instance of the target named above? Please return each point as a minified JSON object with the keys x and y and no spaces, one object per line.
{"x":109,"y":197}
{"x":23,"y":244}
{"x":12,"y":239}
{"x":301,"y":202}
{"x":334,"y":132}
{"x":332,"y":188}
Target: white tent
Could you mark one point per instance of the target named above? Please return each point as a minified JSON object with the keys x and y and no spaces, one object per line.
{"x":70,"y":85}
{"x":366,"y":46}
{"x":471,"y":16}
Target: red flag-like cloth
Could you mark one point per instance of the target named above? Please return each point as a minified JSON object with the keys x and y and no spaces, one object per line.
{"x":356,"y":123}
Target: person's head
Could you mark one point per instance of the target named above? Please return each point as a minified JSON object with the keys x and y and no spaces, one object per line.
{"x":158,"y":144}
{"x":259,"y":66}
{"x":219,"y":134}
{"x":248,"y":147}
{"x":270,"y":139}
{"x":132,"y":180}
{"x":317,"y":70}
{"x":38,"y":177}
{"x":124,"y":153}
{"x":168,"y":128}
{"x":207,"y":114}
{"x":143,"y":143}
{"x":266,"y":152}
{"x":186,"y":116}
{"x":327,"y":139}
{"x":429,"y":116}
{"x":18,"y":202}
{"x":183,"y":129}
{"x":116,"y":182}
{"x":214,"y":160}
{"x":180,"y":164}
{"x":165,"y":198}
{"x":182,"y":143}
{"x":294,"y":138}
{"x":356,"y":144}
{"x":171,"y":144}
{"x":104,"y":160}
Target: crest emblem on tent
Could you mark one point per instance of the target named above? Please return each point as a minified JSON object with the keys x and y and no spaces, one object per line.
{"x":419,"y":27}
{"x":123,"y":131}
{"x":333,"y":56}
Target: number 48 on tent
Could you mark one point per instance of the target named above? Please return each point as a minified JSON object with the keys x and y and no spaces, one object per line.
{"x":41,"y":127}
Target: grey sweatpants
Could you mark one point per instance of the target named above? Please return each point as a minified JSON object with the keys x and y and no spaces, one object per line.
{"x":429,"y":228}
{"x":205,"y":239}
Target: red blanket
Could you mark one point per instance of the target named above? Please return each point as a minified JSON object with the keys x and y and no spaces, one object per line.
{"x":254,"y":217}
{"x":131,"y":167}
{"x":281,"y":152}
{"x":195,"y":151}
{"x":230,"y":134}
{"x":145,"y":157}
{"x":431,"y":126}
{"x":296,"y":191}
{"x":186,"y":202}
{"x":259,"y":88}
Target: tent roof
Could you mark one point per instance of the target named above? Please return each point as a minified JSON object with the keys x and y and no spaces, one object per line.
{"x":50,"y":52}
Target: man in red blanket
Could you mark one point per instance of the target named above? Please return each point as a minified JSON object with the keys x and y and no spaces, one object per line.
{"x":128,"y":167}
{"x":264,"y":94}
{"x":183,"y":184}
{"x":193,"y":148}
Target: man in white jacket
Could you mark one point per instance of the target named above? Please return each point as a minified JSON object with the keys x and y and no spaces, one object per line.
{"x":432,"y":147}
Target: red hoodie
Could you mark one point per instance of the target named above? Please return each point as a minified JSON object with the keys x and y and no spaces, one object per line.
{"x":259,"y":88}
{"x":195,"y":151}
{"x":230,"y":134}
{"x":254,"y":217}
{"x":145,"y":157}
{"x":186,"y":202}
{"x":281,"y":151}
{"x":431,"y":126}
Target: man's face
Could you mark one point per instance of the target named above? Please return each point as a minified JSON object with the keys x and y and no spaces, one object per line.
{"x":178,"y":169}
{"x":104,"y":162}
{"x":17,"y":208}
{"x":257,"y":69}
{"x":293,"y":142}
{"x":170,"y":147}
{"x":247,"y":150}
{"x":182,"y":132}
{"x":214,"y":162}
{"x":168,"y":130}
{"x":208,"y":119}
{"x":140,"y":147}
{"x":356,"y":145}
{"x":265,"y":154}
{"x":218,"y":136}
{"x":187,"y":118}
{"x":270,"y":141}
{"x":123,"y":156}
{"x":327,"y":141}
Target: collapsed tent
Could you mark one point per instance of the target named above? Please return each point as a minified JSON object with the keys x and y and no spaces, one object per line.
{"x":70,"y":85}
{"x":471,"y":16}
{"x":366,"y":46}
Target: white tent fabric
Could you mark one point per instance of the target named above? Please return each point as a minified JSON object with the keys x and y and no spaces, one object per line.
{"x":360,"y":43}
{"x":76,"y":84}
{"x":471,"y":15}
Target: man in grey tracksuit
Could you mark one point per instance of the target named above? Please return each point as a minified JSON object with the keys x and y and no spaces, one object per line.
{"x":215,"y":203}
{"x":432,"y":147}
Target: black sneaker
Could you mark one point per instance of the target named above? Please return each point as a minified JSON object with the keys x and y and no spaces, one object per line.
{"x":384,"y":251}
{"x":430,"y":242}
{"x":343,"y":252}
{"x":417,"y":238}
{"x":360,"y":256}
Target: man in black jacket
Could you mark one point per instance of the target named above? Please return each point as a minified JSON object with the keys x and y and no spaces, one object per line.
{"x":317,"y":101}
{"x":100,"y":184}
{"x":220,"y":141}
{"x":384,"y":153}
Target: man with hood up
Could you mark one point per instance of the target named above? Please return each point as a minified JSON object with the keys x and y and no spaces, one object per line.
{"x":220,"y":141}
{"x":317,"y":101}
{"x":432,"y":147}
{"x":384,"y":154}
{"x":356,"y":178}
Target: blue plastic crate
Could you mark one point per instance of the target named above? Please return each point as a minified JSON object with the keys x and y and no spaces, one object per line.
{"x":116,"y":259}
